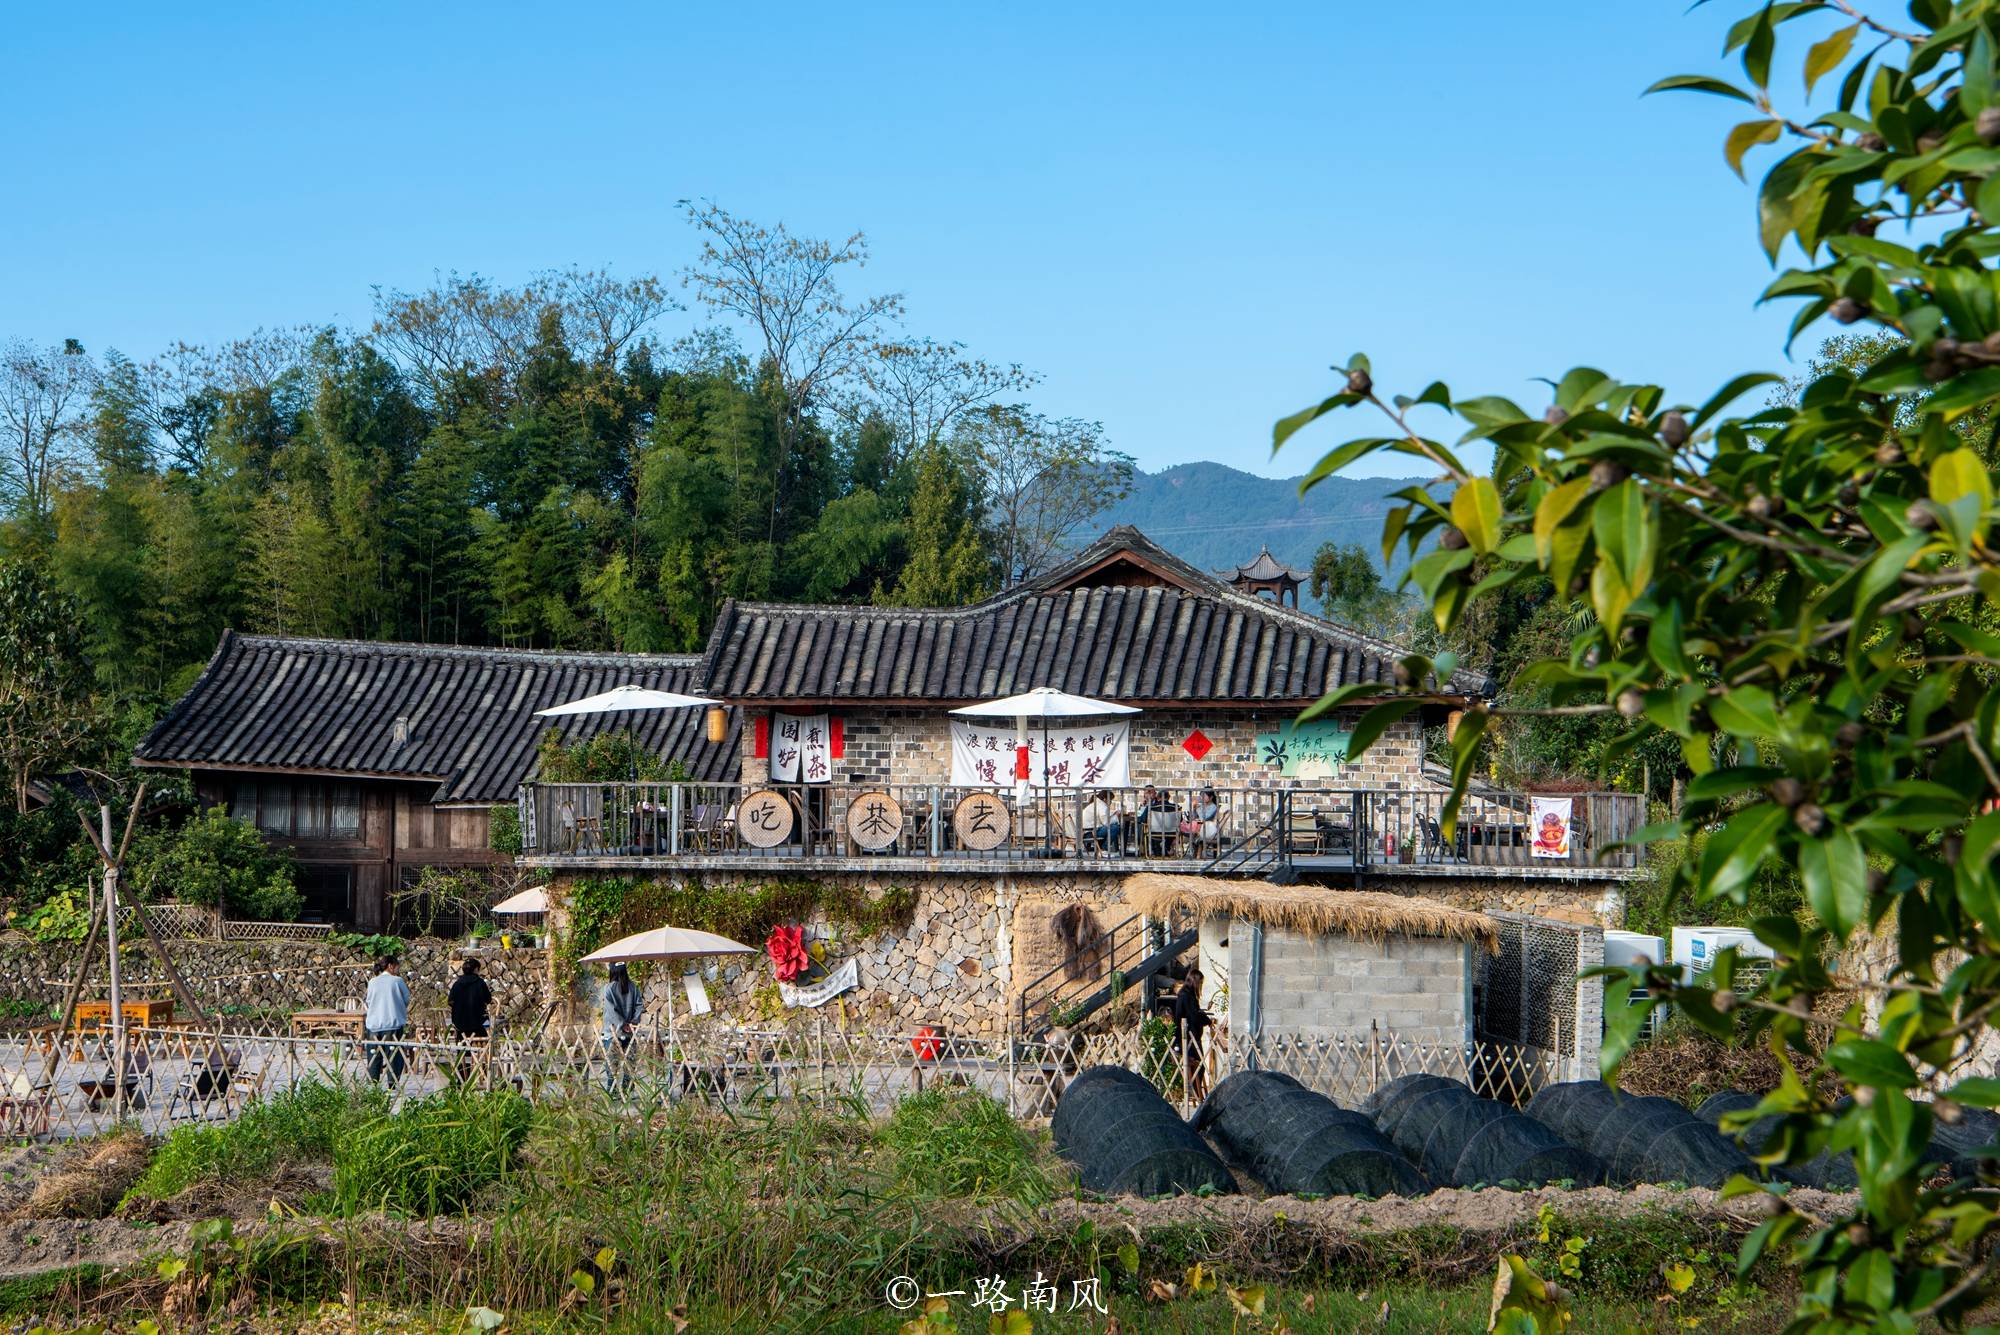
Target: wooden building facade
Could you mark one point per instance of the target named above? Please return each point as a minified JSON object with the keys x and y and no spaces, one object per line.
{"x":373,"y":761}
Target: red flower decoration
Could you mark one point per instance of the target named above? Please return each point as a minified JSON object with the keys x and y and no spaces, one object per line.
{"x":787,"y":948}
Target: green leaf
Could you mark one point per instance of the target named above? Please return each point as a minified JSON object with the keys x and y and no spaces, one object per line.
{"x":1336,"y":459}
{"x":1610,"y":595}
{"x":1699,"y":83}
{"x":1835,"y":873}
{"x":1555,"y":507}
{"x":1747,"y":711}
{"x":1733,"y":391}
{"x":1287,"y":427}
{"x":1747,"y":136}
{"x":1340,"y":695}
{"x":1475,"y":508}
{"x":1827,"y":53}
{"x":1871,"y":1281}
{"x":484,"y":1318}
{"x":1979,"y":1091}
{"x":1624,"y":532}
{"x":1960,"y":473}
{"x":1732,"y":854}
{"x":1376,"y":721}
{"x":1870,"y":1061}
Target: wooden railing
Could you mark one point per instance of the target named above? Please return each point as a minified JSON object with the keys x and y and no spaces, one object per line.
{"x":1239,"y":830}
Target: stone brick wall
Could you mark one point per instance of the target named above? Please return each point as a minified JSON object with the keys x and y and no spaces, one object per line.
{"x":270,"y":979}
{"x":913,"y":746}
{"x":954,"y":967}
{"x":1416,"y":987}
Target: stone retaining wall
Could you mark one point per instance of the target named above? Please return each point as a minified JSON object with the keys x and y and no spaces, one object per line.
{"x":269,"y":978}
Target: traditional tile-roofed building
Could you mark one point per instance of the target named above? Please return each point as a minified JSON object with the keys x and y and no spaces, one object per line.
{"x":373,"y":760}
{"x":1267,"y":575}
{"x":1124,"y":620}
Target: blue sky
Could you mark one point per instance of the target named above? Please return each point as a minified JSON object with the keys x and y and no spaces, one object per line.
{"x":1180,"y":216}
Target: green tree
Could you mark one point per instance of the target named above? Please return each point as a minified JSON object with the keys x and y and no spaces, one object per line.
{"x":218,"y":862}
{"x":948,"y":564}
{"x":1798,"y":598}
{"x":45,"y":711}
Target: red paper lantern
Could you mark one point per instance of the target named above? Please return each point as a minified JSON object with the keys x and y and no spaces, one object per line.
{"x":925,"y":1044}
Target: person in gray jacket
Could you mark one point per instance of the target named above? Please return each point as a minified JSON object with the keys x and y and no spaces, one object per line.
{"x":388,"y":1015}
{"x":621,"y":1005}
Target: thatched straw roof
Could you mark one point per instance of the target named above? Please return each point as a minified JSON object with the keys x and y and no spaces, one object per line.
{"x":1314,"y":910}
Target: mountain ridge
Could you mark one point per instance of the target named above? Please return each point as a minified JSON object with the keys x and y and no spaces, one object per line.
{"x":1217,"y":517}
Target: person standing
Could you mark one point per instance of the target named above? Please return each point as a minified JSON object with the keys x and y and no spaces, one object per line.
{"x":388,"y":1015}
{"x":621,"y":1004}
{"x":470,"y":999}
{"x":1190,"y":1023}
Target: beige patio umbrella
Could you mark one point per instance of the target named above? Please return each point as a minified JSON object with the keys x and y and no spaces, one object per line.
{"x":667,"y":943}
{"x":535,"y":899}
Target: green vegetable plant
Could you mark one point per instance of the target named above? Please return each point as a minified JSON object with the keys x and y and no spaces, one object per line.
{"x":1801,"y":594}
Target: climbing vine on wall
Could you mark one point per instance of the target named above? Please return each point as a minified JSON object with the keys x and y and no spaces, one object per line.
{"x":603,"y":909}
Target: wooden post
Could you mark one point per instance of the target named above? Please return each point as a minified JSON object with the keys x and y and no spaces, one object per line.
{"x":111,"y":957}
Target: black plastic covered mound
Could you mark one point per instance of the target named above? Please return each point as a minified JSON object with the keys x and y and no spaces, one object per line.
{"x":1517,"y":1148}
{"x":1453,"y":1124}
{"x":1067,"y":1108}
{"x":1295,"y":1140}
{"x":1956,"y":1147}
{"x":1961,"y":1145}
{"x":1126,"y":1140}
{"x":1574,"y":1108}
{"x":1602,"y":1139}
{"x":1459,"y":1138}
{"x":1384,"y":1104}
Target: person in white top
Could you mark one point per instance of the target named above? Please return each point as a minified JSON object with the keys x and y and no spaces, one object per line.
{"x":388,"y":1015}
{"x":1100,"y":827}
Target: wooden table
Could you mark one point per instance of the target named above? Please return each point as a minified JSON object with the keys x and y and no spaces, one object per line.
{"x":146,"y":1014}
{"x":311,"y":1024}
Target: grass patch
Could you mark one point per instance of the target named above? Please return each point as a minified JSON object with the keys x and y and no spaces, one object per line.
{"x":431,"y":1157}
{"x":306,"y":1121}
{"x":49,"y":1291}
{"x":960,"y":1143}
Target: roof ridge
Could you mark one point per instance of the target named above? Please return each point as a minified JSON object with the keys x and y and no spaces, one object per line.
{"x":308,"y":642}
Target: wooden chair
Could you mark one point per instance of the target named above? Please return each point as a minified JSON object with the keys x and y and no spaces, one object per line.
{"x":24,"y":1106}
{"x":1302,"y":832}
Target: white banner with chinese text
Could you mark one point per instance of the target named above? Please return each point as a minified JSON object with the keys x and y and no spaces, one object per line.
{"x":843,"y":979}
{"x":801,"y":748}
{"x":1099,"y":756}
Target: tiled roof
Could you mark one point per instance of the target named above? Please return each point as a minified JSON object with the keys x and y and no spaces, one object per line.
{"x":1124,"y":620}
{"x":1266,"y":568}
{"x":331,"y":707}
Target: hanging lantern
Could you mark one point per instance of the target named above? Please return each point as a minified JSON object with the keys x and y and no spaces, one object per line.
{"x":718,"y":723}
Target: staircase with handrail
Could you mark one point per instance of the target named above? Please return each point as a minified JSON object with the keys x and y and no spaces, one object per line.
{"x":1123,"y":963}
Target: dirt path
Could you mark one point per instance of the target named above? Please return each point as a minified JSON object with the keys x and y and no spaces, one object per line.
{"x":31,"y":1246}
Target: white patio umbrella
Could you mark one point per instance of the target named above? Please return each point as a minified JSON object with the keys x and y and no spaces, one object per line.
{"x":1044,"y":703}
{"x":535,"y":899}
{"x":667,"y":943}
{"x":623,"y":699}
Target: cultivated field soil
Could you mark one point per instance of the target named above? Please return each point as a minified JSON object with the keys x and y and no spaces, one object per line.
{"x":609,"y":1221}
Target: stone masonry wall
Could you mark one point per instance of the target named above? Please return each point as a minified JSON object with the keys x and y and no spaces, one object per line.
{"x":1415,"y":987}
{"x":912,"y":746}
{"x":266,"y":980}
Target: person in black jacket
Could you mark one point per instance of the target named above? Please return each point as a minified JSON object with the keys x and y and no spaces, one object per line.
{"x":1190,"y":1022}
{"x":470,"y":998}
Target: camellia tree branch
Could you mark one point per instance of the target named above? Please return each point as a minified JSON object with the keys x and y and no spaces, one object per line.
{"x":1804,"y":596}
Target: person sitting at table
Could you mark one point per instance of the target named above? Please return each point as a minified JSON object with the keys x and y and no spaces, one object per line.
{"x":1100,"y":826}
{"x":1157,"y":814}
{"x":1206,"y":818}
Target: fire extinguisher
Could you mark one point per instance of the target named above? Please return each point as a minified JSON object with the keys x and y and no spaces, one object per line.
{"x":1389,"y":844}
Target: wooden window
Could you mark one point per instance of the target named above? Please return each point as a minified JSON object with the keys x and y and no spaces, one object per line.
{"x":299,"y":810}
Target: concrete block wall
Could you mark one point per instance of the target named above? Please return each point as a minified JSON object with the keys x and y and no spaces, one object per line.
{"x":1417,"y":987}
